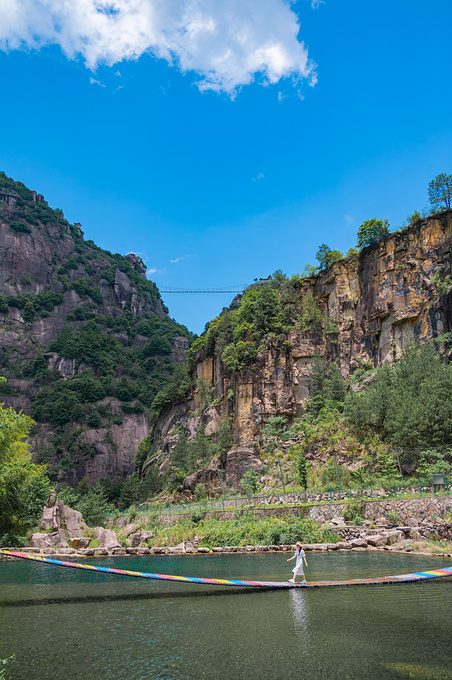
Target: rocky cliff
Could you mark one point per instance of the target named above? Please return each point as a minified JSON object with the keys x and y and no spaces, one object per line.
{"x":85,"y":339}
{"x":363,"y":311}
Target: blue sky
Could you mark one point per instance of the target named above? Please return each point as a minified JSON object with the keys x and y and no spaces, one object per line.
{"x":249,"y":172}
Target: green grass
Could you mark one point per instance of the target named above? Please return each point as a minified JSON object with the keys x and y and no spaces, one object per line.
{"x":243,"y":530}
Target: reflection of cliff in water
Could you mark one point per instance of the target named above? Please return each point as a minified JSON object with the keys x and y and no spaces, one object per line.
{"x":300,"y":611}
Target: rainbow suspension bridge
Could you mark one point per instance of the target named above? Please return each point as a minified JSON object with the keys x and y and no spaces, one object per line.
{"x":399,"y":578}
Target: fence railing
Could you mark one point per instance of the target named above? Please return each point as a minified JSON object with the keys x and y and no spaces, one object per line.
{"x":255,"y":502}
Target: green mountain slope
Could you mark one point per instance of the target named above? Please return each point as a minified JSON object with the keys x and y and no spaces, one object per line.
{"x":85,"y":341}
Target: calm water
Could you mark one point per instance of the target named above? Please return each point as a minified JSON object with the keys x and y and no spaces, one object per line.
{"x":65,"y":624}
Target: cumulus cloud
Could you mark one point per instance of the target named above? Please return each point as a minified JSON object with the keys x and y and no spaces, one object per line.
{"x":227,"y":44}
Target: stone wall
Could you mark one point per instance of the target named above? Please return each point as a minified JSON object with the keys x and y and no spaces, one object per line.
{"x":428,"y":508}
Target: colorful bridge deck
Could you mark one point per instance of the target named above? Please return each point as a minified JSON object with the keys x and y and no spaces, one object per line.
{"x":398,"y":578}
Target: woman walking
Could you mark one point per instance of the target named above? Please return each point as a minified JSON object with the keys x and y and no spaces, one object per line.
{"x":299,"y":556}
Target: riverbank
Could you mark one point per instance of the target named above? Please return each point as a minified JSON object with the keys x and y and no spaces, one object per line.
{"x":426,"y":548}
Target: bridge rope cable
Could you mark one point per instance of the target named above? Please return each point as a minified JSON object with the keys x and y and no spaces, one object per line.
{"x":238,"y":288}
{"x":398,"y":578}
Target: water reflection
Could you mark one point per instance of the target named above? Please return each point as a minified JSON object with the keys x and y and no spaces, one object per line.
{"x":300,"y":611}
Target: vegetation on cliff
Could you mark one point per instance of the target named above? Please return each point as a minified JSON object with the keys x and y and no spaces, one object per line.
{"x":88,"y":341}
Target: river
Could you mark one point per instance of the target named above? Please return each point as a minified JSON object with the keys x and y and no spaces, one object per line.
{"x":65,"y":624}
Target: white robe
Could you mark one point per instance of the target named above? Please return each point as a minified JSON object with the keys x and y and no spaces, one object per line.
{"x":298,"y":569}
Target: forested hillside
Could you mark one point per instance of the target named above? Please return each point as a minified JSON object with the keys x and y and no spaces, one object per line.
{"x":86,"y":341}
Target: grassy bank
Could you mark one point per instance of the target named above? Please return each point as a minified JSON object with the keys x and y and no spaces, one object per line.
{"x":245,"y":529}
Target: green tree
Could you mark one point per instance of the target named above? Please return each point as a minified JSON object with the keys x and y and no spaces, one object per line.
{"x":327,"y":257}
{"x":309,"y":271}
{"x":249,"y":482}
{"x":266,"y":311}
{"x":302,"y":471}
{"x":372,"y":231}
{"x":40,"y":365}
{"x":335,"y":388}
{"x":23,"y":485}
{"x":408,"y":404}
{"x":440,"y":191}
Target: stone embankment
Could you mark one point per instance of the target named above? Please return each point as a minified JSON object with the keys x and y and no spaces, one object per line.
{"x":407,"y":539}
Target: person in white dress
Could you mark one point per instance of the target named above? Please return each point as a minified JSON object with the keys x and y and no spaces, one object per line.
{"x":298,"y":570}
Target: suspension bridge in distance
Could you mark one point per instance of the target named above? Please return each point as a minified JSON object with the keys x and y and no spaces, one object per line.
{"x":203,"y":291}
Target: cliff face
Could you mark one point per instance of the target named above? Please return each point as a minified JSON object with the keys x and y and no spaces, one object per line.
{"x":85,"y":341}
{"x":377,"y":304}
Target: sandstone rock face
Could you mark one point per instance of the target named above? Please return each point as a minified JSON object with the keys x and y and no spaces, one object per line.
{"x":381,"y":302}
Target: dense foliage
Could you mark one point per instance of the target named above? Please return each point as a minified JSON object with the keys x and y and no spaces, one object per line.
{"x":372,"y":231}
{"x":409,"y":404}
{"x":23,"y":485}
{"x":440,"y":192}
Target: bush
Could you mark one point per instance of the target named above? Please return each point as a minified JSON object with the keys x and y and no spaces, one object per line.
{"x":19,"y":227}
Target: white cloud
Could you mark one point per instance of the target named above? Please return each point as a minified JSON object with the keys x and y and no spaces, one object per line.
{"x":349,"y":219}
{"x":258,"y":177}
{"x":227,"y":44}
{"x":93,"y":81}
{"x":151,"y":271}
{"x":179,"y":259}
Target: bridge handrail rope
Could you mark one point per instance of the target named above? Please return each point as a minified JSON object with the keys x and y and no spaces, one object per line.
{"x":398,"y":578}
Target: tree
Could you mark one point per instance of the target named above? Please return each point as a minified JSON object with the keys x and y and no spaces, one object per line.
{"x":327,"y":257}
{"x":309,"y":271}
{"x":335,"y":388}
{"x":24,"y":486}
{"x":440,"y":192}
{"x":372,"y":231}
{"x":249,"y":482}
{"x":316,"y":399}
{"x":302,"y":471}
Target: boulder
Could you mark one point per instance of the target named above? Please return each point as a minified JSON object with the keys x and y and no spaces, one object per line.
{"x":411,"y":522}
{"x":50,"y":518}
{"x":118,"y":551}
{"x":359,"y":543}
{"x":128,"y":530}
{"x":338,"y":521}
{"x":415,"y":534}
{"x":377,"y":540}
{"x":238,"y":461}
{"x":79,"y":542}
{"x":394,"y":536}
{"x":203,"y":550}
{"x":72,"y":521}
{"x":140,"y":537}
{"x":57,"y":539}
{"x":89,"y":552}
{"x":107,"y":538}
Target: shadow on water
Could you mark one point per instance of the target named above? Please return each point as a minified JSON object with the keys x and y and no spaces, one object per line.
{"x":130,"y":598}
